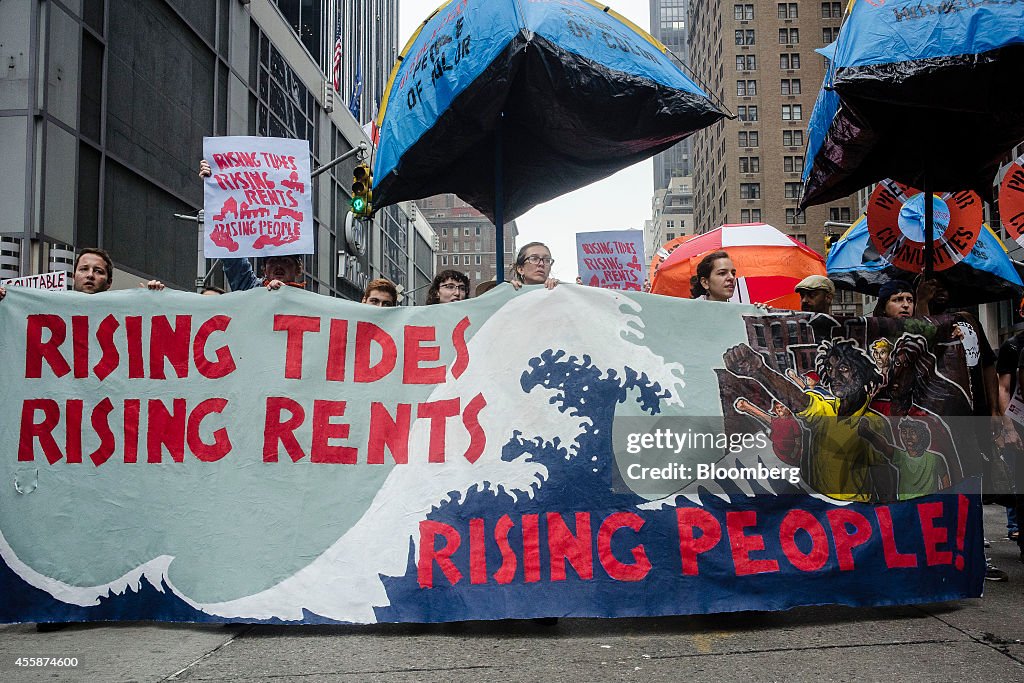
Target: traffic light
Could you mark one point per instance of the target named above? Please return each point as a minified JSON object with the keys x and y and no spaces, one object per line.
{"x":362,"y":181}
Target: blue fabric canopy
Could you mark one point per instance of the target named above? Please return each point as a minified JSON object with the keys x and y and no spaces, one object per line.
{"x":572,"y":91}
{"x":985,"y":274}
{"x":920,"y":90}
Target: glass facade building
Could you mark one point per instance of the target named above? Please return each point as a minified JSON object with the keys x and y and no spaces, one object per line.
{"x":106,"y":103}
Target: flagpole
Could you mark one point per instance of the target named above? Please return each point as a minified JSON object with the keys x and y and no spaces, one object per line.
{"x":499,"y":202}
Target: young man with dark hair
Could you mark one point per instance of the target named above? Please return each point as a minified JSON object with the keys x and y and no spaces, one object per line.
{"x":381,"y":292}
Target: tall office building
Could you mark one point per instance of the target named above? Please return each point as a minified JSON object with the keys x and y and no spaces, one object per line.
{"x":760,"y":59}
{"x":669,"y":25}
{"x":466,"y":238}
{"x":104,"y":106}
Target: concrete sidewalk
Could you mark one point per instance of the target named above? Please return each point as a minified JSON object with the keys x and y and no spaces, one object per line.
{"x":977,"y":640}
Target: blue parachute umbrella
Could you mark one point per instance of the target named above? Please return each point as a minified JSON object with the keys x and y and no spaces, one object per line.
{"x":926,"y":94}
{"x":986,"y":274}
{"x":509,"y":103}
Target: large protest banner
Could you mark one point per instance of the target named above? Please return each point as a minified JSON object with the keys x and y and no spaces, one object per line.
{"x":258,"y":199}
{"x":612,"y":259}
{"x":286,"y":457}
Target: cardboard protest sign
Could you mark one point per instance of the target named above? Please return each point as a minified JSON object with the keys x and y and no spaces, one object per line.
{"x":285,"y":457}
{"x":611,"y":259}
{"x":258,"y":200}
{"x":56,"y":281}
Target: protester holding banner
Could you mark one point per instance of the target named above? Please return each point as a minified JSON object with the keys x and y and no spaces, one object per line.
{"x":715,"y":279}
{"x":895,"y":300}
{"x":533,"y":266}
{"x":278,"y":271}
{"x":448,"y":286}
{"x":933,"y":299}
{"x":381,"y":292}
{"x":816,"y":293}
{"x":93,"y":271}
{"x":1008,"y":366}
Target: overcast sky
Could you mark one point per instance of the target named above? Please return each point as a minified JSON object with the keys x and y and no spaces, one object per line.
{"x":618,"y":202}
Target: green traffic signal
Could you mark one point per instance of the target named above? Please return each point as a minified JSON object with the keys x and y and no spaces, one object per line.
{"x":362,"y":180}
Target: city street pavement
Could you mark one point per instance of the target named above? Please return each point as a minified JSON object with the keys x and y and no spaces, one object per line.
{"x":973,"y":640}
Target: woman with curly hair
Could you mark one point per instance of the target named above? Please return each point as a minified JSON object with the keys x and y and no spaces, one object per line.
{"x":448,"y":286}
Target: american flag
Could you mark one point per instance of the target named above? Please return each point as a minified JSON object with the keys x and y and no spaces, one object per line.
{"x":336,"y":65}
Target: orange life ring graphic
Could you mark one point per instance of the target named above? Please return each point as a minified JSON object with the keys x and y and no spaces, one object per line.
{"x":896,"y":225}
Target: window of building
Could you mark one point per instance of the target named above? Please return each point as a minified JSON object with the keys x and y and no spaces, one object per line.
{"x":787,"y":10}
{"x":793,"y":138}
{"x":747,"y":112}
{"x":477,"y":259}
{"x":795,"y":217}
{"x":748,"y":138}
{"x":790,"y":86}
{"x":742,"y":12}
{"x":444,"y":232}
{"x":831,"y":10}
{"x":789,"y":36}
{"x":444,"y":259}
{"x":789,"y":60}
{"x":478,"y":231}
{"x":746,"y":88}
{"x":792,"y":112}
{"x":745,"y":36}
{"x":793,"y":190}
{"x":455,"y":260}
{"x":829,"y":34}
{"x":746,"y":62}
{"x":750,"y":164}
{"x":839,"y":214}
{"x":444,"y":245}
{"x":793,"y":164}
{"x":465,"y":232}
{"x":750,"y":215}
{"x":750,"y":190}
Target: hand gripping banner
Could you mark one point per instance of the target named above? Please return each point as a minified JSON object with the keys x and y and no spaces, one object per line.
{"x":283,"y":457}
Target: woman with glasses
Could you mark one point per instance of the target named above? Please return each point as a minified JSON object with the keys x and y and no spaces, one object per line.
{"x":448,"y":286}
{"x":715,"y":279}
{"x":533,"y":266}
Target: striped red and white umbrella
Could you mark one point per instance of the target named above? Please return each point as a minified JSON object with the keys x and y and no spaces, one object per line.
{"x":768,"y":263}
{"x":663,"y":252}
